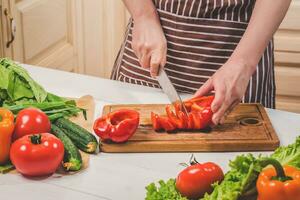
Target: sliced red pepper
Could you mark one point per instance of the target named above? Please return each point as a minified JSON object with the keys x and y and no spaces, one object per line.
{"x":178,"y":122}
{"x":117,"y":126}
{"x":183,"y":119}
{"x":155,"y":123}
{"x":190,"y":122}
{"x":196,"y":120}
{"x":196,"y":108}
{"x":188,"y":105}
{"x":199,"y":115}
{"x":202,"y":101}
{"x":206,"y":115}
{"x":166,"y":124}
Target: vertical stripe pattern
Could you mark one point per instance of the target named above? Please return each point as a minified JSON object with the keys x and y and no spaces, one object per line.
{"x":201,"y":36}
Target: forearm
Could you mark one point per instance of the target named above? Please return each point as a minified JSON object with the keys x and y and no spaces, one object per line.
{"x":141,"y":9}
{"x":266,"y":17}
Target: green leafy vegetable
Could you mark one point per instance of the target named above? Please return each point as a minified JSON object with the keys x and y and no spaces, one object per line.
{"x":165,"y":191}
{"x":239,"y":182}
{"x":289,"y":155}
{"x":241,"y":178}
{"x":19,"y":83}
{"x":18,"y":91}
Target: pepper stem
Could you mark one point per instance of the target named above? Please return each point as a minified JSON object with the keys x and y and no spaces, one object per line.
{"x":280,"y":174}
{"x":36,"y":139}
{"x":1,"y":118}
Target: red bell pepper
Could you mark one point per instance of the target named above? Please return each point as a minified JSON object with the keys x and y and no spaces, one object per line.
{"x":199,"y":115}
{"x":117,"y":126}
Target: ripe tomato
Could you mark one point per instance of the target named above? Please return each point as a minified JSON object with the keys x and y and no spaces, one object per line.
{"x":194,"y":181}
{"x":31,"y":121}
{"x":37,"y":155}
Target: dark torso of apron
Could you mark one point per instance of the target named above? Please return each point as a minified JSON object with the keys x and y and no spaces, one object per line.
{"x":201,"y":36}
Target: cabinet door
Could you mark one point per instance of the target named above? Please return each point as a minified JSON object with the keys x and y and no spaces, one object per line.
{"x":104,"y":28}
{"x":287,"y":60}
{"x":46,"y":33}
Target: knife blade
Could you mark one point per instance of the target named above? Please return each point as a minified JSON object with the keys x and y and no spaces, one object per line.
{"x":169,"y":89}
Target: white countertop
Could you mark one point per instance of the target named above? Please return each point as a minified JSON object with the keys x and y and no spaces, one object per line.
{"x":117,"y":176}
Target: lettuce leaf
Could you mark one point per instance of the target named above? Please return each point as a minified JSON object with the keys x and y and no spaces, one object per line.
{"x":165,"y":191}
{"x":19,"y":83}
{"x":241,"y":177}
{"x":289,"y":155}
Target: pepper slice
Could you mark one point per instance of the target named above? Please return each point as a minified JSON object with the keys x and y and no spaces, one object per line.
{"x":177,"y":120}
{"x":155,"y":123}
{"x":277,"y":182}
{"x":117,"y":126}
{"x":166,"y":124}
{"x":202,"y":101}
{"x":6,"y":131}
{"x":199,"y":115}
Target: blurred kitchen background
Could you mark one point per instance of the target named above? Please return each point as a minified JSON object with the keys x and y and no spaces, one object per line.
{"x":84,"y":36}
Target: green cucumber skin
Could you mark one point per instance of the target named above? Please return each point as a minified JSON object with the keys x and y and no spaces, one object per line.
{"x":72,"y":154}
{"x":82,"y":138}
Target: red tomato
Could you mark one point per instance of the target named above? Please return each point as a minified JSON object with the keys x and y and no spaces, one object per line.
{"x":194,"y":181}
{"x":37,"y":155}
{"x":31,"y":121}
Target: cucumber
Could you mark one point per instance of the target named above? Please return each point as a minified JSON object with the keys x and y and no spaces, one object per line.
{"x":6,"y":168}
{"x":72,"y":158}
{"x":83,"y":139}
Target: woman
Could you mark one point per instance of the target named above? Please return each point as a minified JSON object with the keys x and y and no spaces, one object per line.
{"x":225,"y":46}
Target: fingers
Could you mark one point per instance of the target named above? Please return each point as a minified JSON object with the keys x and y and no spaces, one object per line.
{"x":158,"y":60}
{"x":227,"y":106}
{"x":152,"y":60}
{"x":155,"y":63}
{"x":205,"y":88}
{"x":145,"y":60}
{"x":228,"y":111}
{"x":220,"y":112}
{"x":220,"y":92}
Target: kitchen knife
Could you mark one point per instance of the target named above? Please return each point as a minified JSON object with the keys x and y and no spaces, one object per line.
{"x":169,"y":89}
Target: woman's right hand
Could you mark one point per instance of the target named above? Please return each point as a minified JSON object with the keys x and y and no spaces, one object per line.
{"x":149,"y":43}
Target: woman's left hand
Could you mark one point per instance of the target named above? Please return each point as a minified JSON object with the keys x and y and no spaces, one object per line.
{"x":229,"y":83}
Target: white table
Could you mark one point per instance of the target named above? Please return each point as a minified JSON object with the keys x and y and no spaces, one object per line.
{"x":117,"y":176}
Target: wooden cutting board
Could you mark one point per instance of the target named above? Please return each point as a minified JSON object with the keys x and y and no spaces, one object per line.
{"x":247,"y":128}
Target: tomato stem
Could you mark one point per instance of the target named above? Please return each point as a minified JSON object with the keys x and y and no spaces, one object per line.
{"x":193,"y":160}
{"x":36,"y":139}
{"x":280,"y":174}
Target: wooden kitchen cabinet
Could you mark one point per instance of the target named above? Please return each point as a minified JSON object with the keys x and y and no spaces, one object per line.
{"x":45,"y":33}
{"x":81,"y":36}
{"x":287,"y":60}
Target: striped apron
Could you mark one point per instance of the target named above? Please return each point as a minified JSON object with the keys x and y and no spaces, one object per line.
{"x":201,"y":35}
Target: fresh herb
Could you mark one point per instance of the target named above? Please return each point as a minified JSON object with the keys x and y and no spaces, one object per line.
{"x":19,"y":91}
{"x":165,"y":191}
